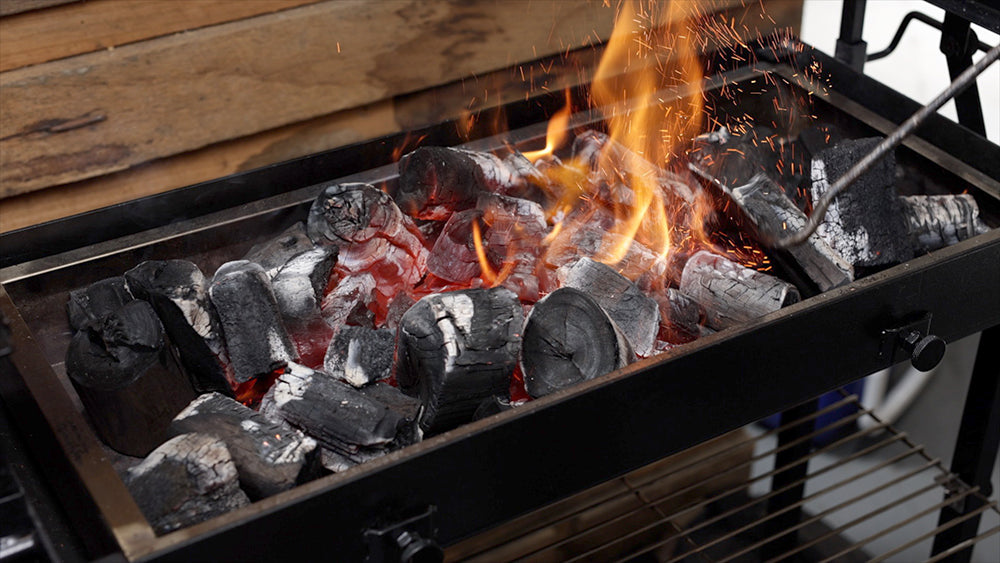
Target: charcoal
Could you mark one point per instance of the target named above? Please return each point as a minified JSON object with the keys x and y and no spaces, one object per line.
{"x":680,"y":314}
{"x":275,"y":253}
{"x":270,"y":456}
{"x":733,"y":294}
{"x":127,"y":379}
{"x":491,"y":406}
{"x":865,"y":223}
{"x":405,"y":406}
{"x":338,"y":416}
{"x":636,"y":315}
{"x":255,"y":336}
{"x":300,"y":283}
{"x":453,"y":257}
{"x":360,"y":355}
{"x":189,"y":479}
{"x":455,"y":349}
{"x":348,"y":301}
{"x":942,"y":220}
{"x":89,"y":306}
{"x":588,"y":238}
{"x":400,"y":304}
{"x":770,"y":210}
{"x":568,"y":338}
{"x":178,"y":292}
{"x":514,"y":234}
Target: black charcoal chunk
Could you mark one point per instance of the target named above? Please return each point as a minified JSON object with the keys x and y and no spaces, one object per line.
{"x":360,"y":355}
{"x":178,"y":291}
{"x":270,"y":456}
{"x":491,"y":406}
{"x":405,"y":406}
{"x":300,"y":283}
{"x":942,"y":220}
{"x":88,"y":307}
{"x":455,"y":349}
{"x":188,"y":479}
{"x":256,"y":339}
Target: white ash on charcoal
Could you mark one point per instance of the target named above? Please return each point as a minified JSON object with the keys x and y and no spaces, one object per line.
{"x":299,"y":284}
{"x":270,"y":456}
{"x":88,"y":307}
{"x":865,"y":223}
{"x":453,"y":257}
{"x":435,"y":182}
{"x":372,"y":233}
{"x":255,"y":336}
{"x":178,"y":292}
{"x":127,"y":378}
{"x":942,"y":220}
{"x":348,"y":302}
{"x":680,"y":315}
{"x":636,"y":315}
{"x":338,"y":416}
{"x":455,"y":349}
{"x":568,"y":338}
{"x":189,"y":479}
{"x":770,"y":210}
{"x":360,"y":355}
{"x":275,"y":253}
{"x":513,"y":238}
{"x":733,"y":294}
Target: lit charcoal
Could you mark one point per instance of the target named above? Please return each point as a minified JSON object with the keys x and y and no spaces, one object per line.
{"x":435,"y":182}
{"x":454,"y":257}
{"x":338,"y":416}
{"x":680,"y":315}
{"x":178,"y":292}
{"x":942,"y":220}
{"x":275,"y":253}
{"x":400,"y":304}
{"x":187,"y":480}
{"x":636,"y":315}
{"x":516,"y":228}
{"x":255,"y":336}
{"x":373,"y":236}
{"x":733,"y":294}
{"x":770,"y":210}
{"x":455,"y":349}
{"x":299,"y":284}
{"x":865,"y":224}
{"x":348,"y":300}
{"x":88,"y":307}
{"x":270,"y":456}
{"x":569,"y":338}
{"x":360,"y":355}
{"x":127,"y":378}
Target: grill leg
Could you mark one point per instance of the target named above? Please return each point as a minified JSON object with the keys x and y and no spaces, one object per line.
{"x":958,"y":43}
{"x":976,"y":447}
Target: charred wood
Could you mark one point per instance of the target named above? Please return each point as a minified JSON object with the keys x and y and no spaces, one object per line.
{"x":942,"y":220}
{"x":568,"y":338}
{"x":275,"y":253}
{"x":255,"y":336}
{"x":360,"y":355}
{"x":407,"y":407}
{"x":187,"y":480}
{"x":400,"y":304}
{"x":348,"y":301}
{"x":300,"y":283}
{"x":88,"y":307}
{"x":270,"y":456}
{"x":453,"y":257}
{"x":127,"y":378}
{"x":455,"y":349}
{"x":681,"y":315}
{"x":733,"y":294}
{"x":491,"y":406}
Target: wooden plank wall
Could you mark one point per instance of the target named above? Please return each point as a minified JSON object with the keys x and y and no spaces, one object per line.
{"x":102,"y":101}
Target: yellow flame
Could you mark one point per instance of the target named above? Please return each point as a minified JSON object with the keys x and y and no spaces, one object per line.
{"x":488,"y":275}
{"x":555,"y":134}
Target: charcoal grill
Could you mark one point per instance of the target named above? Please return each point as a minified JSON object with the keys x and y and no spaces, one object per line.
{"x":491,"y":471}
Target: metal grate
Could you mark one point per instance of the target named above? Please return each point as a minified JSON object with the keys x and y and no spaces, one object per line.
{"x":858,"y":483}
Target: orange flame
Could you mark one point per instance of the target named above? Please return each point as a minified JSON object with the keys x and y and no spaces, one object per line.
{"x":555,"y":134}
{"x":488,"y":275}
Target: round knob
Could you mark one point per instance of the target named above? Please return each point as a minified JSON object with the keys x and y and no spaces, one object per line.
{"x":925,"y":351}
{"x":417,"y":549}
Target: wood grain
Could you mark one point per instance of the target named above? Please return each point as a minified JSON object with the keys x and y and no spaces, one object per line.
{"x":10,"y":7}
{"x":105,"y":111}
{"x":82,"y":27}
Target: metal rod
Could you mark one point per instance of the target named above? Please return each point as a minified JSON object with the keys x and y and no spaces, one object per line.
{"x":926,"y":535}
{"x":781,"y":240}
{"x":964,"y":545}
{"x":919,"y":16}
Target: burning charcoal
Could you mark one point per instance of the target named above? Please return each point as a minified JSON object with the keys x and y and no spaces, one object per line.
{"x":680,"y":314}
{"x":586,"y":238}
{"x":88,"y":307}
{"x":360,"y":355}
{"x":178,"y":292}
{"x":515,"y":230}
{"x":942,"y":220}
{"x":455,"y":349}
{"x":400,"y":305}
{"x":770,"y":210}
{"x":636,"y":315}
{"x":127,"y":378}
{"x":568,"y":338}
{"x":491,"y":406}
{"x":270,"y":456}
{"x":865,"y":223}
{"x":453,"y":257}
{"x":373,"y":236}
{"x":731,"y":293}
{"x":348,"y":301}
{"x":340,"y":417}
{"x":187,"y":480}
{"x":256,"y":339}
{"x":277,"y":252}
{"x":435,"y":182}
{"x":299,"y":284}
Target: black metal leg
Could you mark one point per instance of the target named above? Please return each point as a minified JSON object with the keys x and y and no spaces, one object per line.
{"x":958,"y":43}
{"x":976,"y":448}
{"x":851,"y":48}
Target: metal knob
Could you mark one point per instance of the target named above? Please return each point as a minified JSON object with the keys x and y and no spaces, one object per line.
{"x":418,"y":549}
{"x":925,"y":351}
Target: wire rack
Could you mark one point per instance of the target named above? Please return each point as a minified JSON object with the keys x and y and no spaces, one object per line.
{"x":868,"y":495}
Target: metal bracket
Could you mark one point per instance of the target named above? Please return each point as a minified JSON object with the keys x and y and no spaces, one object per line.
{"x":925,"y":350}
{"x":408,"y":541}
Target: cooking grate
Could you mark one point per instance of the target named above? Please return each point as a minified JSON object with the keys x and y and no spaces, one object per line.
{"x":859,"y":479}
